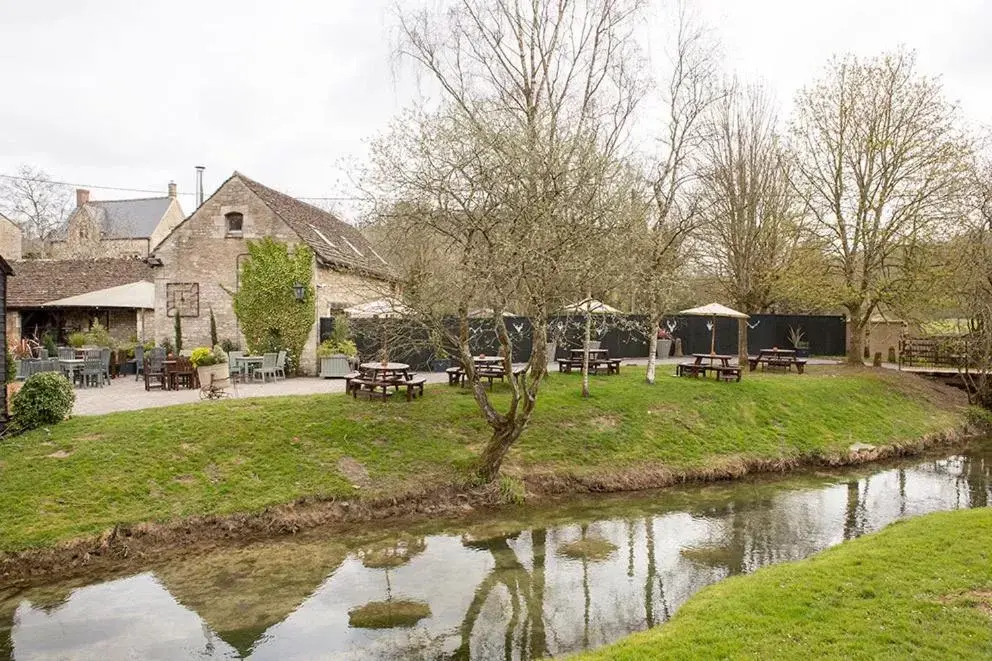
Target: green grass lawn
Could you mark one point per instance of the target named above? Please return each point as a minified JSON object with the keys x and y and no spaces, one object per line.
{"x":920,"y":589}
{"x":89,"y":473}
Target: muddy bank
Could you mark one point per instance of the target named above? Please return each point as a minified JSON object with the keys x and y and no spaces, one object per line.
{"x":133,"y":546}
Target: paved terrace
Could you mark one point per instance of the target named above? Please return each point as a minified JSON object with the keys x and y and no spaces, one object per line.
{"x":126,"y":394}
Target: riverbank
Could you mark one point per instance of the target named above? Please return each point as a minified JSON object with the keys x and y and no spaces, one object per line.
{"x":125,"y":484}
{"x":918,"y":589}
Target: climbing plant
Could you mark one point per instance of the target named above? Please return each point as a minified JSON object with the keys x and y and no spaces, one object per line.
{"x":271,"y":317}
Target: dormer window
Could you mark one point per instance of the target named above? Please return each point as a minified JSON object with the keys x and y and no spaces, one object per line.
{"x":235,"y":222}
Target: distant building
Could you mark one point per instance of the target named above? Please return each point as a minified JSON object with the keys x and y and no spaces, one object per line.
{"x":11,"y":239}
{"x":117,"y":228}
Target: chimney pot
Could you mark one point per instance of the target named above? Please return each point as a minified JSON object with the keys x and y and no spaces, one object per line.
{"x":82,"y":197}
{"x":172,"y":189}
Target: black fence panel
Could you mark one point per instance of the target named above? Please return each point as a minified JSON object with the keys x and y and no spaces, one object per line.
{"x":825,"y":334}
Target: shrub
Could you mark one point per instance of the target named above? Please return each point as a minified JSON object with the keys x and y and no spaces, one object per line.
{"x":98,"y":335}
{"x":179,"y":332}
{"x":48,"y":341}
{"x":45,"y":399}
{"x":213,"y":329}
{"x":331,"y":347}
{"x":77,"y":339}
{"x":166,"y":344}
{"x":205,"y":356}
{"x":229,"y":345}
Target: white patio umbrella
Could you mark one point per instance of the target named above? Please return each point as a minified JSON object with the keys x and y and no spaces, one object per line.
{"x":591,"y":305}
{"x":714,"y":310}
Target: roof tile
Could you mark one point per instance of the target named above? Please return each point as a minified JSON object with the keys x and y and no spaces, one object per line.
{"x":38,"y":281}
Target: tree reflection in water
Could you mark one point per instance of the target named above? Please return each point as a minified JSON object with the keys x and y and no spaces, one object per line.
{"x":504,"y":596}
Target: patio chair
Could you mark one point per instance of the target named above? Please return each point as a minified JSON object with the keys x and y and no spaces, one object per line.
{"x":67,"y":353}
{"x":154,"y":370}
{"x":105,"y":361}
{"x":92,"y":372}
{"x":43,"y":353}
{"x":139,"y":361}
{"x":237,"y":370}
{"x":269,"y":366}
{"x":280,"y":365}
{"x":183,"y":373}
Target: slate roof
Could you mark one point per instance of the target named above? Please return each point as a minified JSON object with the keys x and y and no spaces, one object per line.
{"x":39,"y":281}
{"x":334,"y":241}
{"x":130,"y":219}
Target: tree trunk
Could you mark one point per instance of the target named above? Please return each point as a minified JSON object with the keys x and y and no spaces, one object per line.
{"x":655,"y":324}
{"x":856,"y":340}
{"x":585,"y":355}
{"x":495,"y":451}
{"x":742,"y":345}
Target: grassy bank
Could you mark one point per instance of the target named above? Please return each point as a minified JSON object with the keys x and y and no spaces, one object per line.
{"x":90,"y":473}
{"x":921,"y":589}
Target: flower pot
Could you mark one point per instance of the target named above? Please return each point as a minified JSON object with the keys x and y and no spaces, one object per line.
{"x":212,"y":373}
{"x":663,"y":349}
{"x":334,"y":366}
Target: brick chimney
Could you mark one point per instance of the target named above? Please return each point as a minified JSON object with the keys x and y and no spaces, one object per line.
{"x":172,"y":189}
{"x":82,"y":197}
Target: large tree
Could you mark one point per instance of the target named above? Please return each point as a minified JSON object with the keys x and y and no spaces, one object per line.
{"x":753,"y":225}
{"x":513,"y":171}
{"x":38,"y":205}
{"x":881,"y":163}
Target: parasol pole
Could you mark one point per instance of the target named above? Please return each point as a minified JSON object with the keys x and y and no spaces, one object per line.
{"x":713,"y":337}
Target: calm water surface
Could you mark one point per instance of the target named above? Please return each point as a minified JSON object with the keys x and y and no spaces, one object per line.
{"x":485,"y":588}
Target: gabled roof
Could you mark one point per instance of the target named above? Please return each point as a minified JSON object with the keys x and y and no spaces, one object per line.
{"x":41,"y":281}
{"x":129,"y":219}
{"x":335,"y":242}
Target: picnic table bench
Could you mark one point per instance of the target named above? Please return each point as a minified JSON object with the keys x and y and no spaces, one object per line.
{"x":598,"y":359}
{"x":718,"y":364}
{"x":381,"y":381}
{"x":485,"y":370}
{"x":777,"y":359}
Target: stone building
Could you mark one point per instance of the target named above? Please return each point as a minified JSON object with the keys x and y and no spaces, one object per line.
{"x":11,"y":239}
{"x":67,"y":295}
{"x":117,"y":228}
{"x":201,"y":259}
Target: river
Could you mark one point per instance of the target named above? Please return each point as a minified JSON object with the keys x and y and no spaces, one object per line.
{"x":508,"y":586}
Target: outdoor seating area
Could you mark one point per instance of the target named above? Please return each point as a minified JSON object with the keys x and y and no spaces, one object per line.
{"x":777,"y":359}
{"x":717,"y":364}
{"x":489,"y":368}
{"x":85,"y":367}
{"x":599,"y":361}
{"x":382,"y":380}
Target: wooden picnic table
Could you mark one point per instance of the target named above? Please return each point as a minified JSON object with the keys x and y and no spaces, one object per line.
{"x":784,"y":358}
{"x":597,"y":358}
{"x":592,"y":352}
{"x":717,"y":363}
{"x":372,"y":377}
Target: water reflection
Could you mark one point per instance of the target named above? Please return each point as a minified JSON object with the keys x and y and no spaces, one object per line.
{"x":493,"y":590}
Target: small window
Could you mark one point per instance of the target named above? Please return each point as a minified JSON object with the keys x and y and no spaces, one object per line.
{"x":235,"y":222}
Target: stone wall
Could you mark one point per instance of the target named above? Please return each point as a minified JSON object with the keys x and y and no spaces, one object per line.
{"x":11,"y":240}
{"x":169,"y":222}
{"x":201,"y":251}
{"x":83,"y":241}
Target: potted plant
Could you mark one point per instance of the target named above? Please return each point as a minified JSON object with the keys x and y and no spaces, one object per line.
{"x":335,"y":357}
{"x":77,"y":340}
{"x":798,"y":341}
{"x":211,"y":364}
{"x":664,"y":347}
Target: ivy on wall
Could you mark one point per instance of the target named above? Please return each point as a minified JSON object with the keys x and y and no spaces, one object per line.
{"x":271,"y":317}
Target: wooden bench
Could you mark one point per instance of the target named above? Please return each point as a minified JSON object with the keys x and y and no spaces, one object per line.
{"x":348,"y":378}
{"x":456,"y":375}
{"x":777,"y":363}
{"x":414,"y":388}
{"x":727,"y":372}
{"x":691,"y":369}
{"x":369,"y":387}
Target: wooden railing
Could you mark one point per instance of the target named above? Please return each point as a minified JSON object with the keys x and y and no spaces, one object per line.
{"x":933,"y":352}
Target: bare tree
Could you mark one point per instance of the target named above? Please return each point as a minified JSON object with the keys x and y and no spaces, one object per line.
{"x":753,"y":216}
{"x":38,"y":205}
{"x":659,"y":245}
{"x":881,"y":163}
{"x":513,"y":173}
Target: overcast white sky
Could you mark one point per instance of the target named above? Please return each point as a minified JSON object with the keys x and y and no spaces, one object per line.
{"x":133,"y":94}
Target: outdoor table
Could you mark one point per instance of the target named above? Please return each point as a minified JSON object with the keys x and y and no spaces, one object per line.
{"x":723,"y":358}
{"x":724,"y":371}
{"x":69,"y":367}
{"x":777,"y":358}
{"x":593,"y":353}
{"x":249,"y":362}
{"x":168,"y":366}
{"x":388,"y":372}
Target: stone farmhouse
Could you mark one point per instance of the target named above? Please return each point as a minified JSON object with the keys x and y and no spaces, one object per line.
{"x":11,"y":240}
{"x":197,"y":264}
{"x":117,"y":228}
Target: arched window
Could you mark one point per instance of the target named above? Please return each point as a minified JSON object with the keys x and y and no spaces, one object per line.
{"x":235,"y":222}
